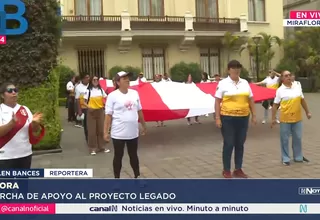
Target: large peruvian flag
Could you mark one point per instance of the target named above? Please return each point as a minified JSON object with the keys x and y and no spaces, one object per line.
{"x":171,"y":100}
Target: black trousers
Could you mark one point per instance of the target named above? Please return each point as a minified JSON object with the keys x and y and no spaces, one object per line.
{"x":132,"y":148}
{"x":18,"y":163}
{"x":85,"y":127}
{"x":71,"y":109}
{"x":267,"y":103}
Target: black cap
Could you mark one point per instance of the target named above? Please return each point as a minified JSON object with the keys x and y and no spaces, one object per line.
{"x":234,"y":64}
{"x":122,"y":74}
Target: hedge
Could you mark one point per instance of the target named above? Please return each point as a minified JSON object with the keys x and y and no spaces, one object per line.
{"x":62,"y":102}
{"x":135,"y":70}
{"x":65,"y":75}
{"x":44,"y":98}
{"x":180,"y":71}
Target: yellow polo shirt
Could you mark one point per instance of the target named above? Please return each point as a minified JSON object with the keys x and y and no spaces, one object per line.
{"x":235,"y":97}
{"x":289,"y":99}
{"x":96,"y":98}
{"x":271,"y":83}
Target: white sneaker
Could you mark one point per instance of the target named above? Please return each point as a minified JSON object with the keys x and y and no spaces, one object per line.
{"x":278,"y":122}
{"x":78,"y":126}
{"x":93,"y":153}
{"x":270,"y":107}
{"x":264,"y":121}
{"x":207,"y":115}
{"x":106,"y":150}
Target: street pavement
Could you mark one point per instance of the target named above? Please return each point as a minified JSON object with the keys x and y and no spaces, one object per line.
{"x":181,"y":151}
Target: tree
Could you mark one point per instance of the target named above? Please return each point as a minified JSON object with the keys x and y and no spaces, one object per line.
{"x":229,"y":41}
{"x":28,"y":61}
{"x":265,"y":51}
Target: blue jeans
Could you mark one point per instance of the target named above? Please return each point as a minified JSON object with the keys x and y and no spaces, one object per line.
{"x":234,"y":133}
{"x":294,"y":129}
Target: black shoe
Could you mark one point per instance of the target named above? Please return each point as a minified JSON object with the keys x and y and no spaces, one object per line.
{"x":286,"y":163}
{"x":304,"y":160}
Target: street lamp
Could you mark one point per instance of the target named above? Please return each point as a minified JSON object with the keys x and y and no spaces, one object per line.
{"x":256,"y":40}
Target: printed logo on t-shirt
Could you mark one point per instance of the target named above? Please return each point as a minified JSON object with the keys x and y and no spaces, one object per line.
{"x":129,"y":105}
{"x":23,"y":112}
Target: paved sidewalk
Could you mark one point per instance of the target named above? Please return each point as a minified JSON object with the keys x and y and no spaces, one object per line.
{"x":181,"y":151}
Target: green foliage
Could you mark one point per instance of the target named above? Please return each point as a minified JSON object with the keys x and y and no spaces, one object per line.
{"x":229,"y":41}
{"x":180,"y":72}
{"x":26,"y":59}
{"x":114,"y":70}
{"x":65,"y":75}
{"x":62,"y":102}
{"x":287,"y":64}
{"x":245,"y":74}
{"x":265,"y":50}
{"x":303,"y":49}
{"x":44,"y":98}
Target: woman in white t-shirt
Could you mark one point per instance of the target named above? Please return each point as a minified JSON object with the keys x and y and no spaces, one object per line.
{"x":205,"y":78}
{"x":123,"y":114}
{"x":158,"y":78}
{"x":196,"y":118}
{"x":18,"y":130}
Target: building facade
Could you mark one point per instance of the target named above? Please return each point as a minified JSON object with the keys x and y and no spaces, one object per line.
{"x":156,"y":34}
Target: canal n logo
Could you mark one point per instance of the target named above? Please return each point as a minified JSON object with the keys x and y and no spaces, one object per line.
{"x":303,"y":208}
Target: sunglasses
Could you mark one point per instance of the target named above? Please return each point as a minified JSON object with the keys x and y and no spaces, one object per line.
{"x":11,"y":90}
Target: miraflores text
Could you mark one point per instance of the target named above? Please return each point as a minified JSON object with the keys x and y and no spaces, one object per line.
{"x":160,"y":208}
{"x":301,"y":23}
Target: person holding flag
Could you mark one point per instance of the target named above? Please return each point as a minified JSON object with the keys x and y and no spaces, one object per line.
{"x":271,"y":82}
{"x":196,"y":118}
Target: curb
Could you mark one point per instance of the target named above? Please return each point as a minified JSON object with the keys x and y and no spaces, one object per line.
{"x":43,"y":152}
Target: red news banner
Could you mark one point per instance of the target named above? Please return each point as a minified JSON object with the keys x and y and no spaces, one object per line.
{"x":3,"y":40}
{"x":308,"y":15}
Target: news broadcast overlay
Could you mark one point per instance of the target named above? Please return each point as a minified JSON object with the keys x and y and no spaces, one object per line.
{"x":47,"y":173}
{"x":156,"y":209}
{"x":309,"y":18}
{"x":43,"y":196}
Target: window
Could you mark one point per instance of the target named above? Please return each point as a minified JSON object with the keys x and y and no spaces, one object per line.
{"x":153,"y":62}
{"x":151,"y":7}
{"x":91,"y":61}
{"x":88,"y":7}
{"x":257,"y":10}
{"x":207,"y":8}
{"x":209,"y":60}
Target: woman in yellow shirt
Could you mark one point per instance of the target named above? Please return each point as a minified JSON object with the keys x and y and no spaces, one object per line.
{"x":233,"y":104}
{"x":94,"y":98}
{"x":290,"y":98}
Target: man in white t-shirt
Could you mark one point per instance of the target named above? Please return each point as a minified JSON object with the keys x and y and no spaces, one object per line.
{"x":70,"y":87}
{"x":81,"y":89}
{"x":166,"y":78}
{"x":141,"y":77}
{"x":123,"y":114}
